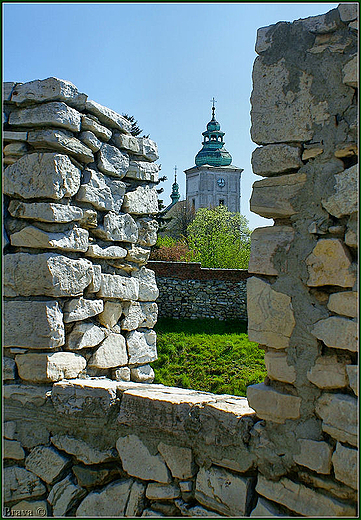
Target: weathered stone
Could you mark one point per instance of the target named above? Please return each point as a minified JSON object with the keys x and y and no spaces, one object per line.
{"x":135,"y":503}
{"x":102,"y":192}
{"x":265,"y":243}
{"x":49,"y":89}
{"x":344,"y":200}
{"x":81,"y":396}
{"x":85,"y":335}
{"x":8,"y":87}
{"x":142,"y":201}
{"x":138,"y":462}
{"x":270,"y":314}
{"x":321,"y":24}
{"x":345,"y":463}
{"x":273,"y":197}
{"x":9,"y":135}
{"x":148,"y":149}
{"x":186,"y":486}
{"x":44,"y":368}
{"x":45,"y":211}
{"x":311,"y":151}
{"x":346,"y":150}
{"x":82,"y":450}
{"x":27,"y":394}
{"x":108,"y":116}
{"x":48,"y":114}
{"x":142,"y":374}
{"x":81,"y":309}
{"x":118,"y":228}
{"x":265,"y":508}
{"x":337,"y":333}
{"x":143,"y":171}
{"x":20,"y":483}
{"x":147,"y":231}
{"x":42,"y":175}
{"x":75,"y":239}
{"x":344,"y":303}
{"x":179,"y":460}
{"x":46,"y":462}
{"x":111,"y":314}
{"x":13,"y":450}
{"x":109,"y":502}
{"x":139,"y":315}
{"x":46,"y":274}
{"x":121,"y":374}
{"x":9,"y":429}
{"x":63,"y":141}
{"x":90,"y":140}
{"x":350,"y":72}
{"x":27,"y":508}
{"x":94,"y":477}
{"x":137,"y":254}
{"x":150,"y":512}
{"x":273,"y":405}
{"x":64,"y":495}
{"x":278,"y":367}
{"x":274,"y":159}
{"x":118,"y":287}
{"x":328,"y":373}
{"x":148,"y":290}
{"x":141,"y":347}
{"x":301,"y":499}
{"x":15,"y":149}
{"x":264,"y":39}
{"x":328,"y":485}
{"x":9,"y":369}
{"x":352,"y":372}
{"x":315,"y":455}
{"x":127,"y":142}
{"x":156,"y":491}
{"x":222,"y":491}
{"x":339,"y":416}
{"x":33,"y":324}
{"x":330,"y":264}
{"x":112,"y":161}
{"x":87,"y":123}
{"x":348,"y":11}
{"x":351,"y":236}
{"x":111,"y":353}
{"x":111,"y":252}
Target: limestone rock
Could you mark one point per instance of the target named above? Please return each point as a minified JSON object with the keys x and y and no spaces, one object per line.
{"x":148,"y":291}
{"x":264,"y":39}
{"x":147,"y":231}
{"x":344,"y":200}
{"x":278,"y":367}
{"x":111,"y":252}
{"x":118,"y":287}
{"x":143,"y":171}
{"x":17,"y":149}
{"x":330,"y":264}
{"x":75,"y":239}
{"x":352,"y":372}
{"x":126,"y":142}
{"x":311,"y":151}
{"x":142,"y":374}
{"x":81,"y":309}
{"x":8,"y":87}
{"x":142,"y":201}
{"x":315,"y":455}
{"x":13,"y":450}
{"x":345,"y":463}
{"x":137,"y":254}
{"x":157,"y":491}
{"x":328,"y":373}
{"x":42,"y":175}
{"x":88,"y":477}
{"x":109,"y":502}
{"x":85,"y":335}
{"x":121,"y":374}
{"x":62,"y":141}
{"x":270,"y":314}
{"x":222,"y":491}
{"x":273,"y":405}
{"x":135,"y":503}
{"x":350,"y":72}
{"x":100,"y":191}
{"x":64,"y":495}
{"x":265,"y":244}
{"x":103,"y":133}
{"x":49,"y":89}
{"x":46,"y":462}
{"x":265,"y":508}
{"x":337,"y":333}
{"x":33,"y":508}
{"x":81,"y":450}
{"x":111,"y":353}
{"x":9,"y":369}
{"x":90,"y":140}
{"x":112,"y":161}
{"x":141,"y":347}
{"x":351,"y":236}
{"x":45,"y":211}
{"x":139,"y":315}
{"x":348,"y":11}
{"x":20,"y":484}
{"x":55,"y":113}
{"x":344,"y":303}
{"x":118,"y":228}
{"x":32,"y":395}
{"x":9,"y":429}
{"x":8,"y":135}
{"x":108,"y":116}
{"x":138,"y":462}
{"x":44,"y":368}
{"x":46,"y":274}
{"x":33,"y":324}
{"x":339,"y":415}
{"x":148,"y":149}
{"x":274,"y":159}
{"x":179,"y":460}
{"x":110,"y":314}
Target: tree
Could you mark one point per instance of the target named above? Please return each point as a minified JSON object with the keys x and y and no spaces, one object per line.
{"x":135,"y":130}
{"x":220,"y":238}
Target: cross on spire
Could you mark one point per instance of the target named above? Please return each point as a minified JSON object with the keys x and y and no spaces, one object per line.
{"x":213,"y":107}
{"x":175,"y":174}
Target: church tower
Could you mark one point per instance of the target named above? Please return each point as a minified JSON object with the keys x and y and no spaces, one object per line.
{"x":213,"y":181}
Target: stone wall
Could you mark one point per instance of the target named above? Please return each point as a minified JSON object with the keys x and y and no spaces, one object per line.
{"x":188,"y":291}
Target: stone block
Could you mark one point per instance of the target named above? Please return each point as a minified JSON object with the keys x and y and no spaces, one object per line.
{"x":49,"y":89}
{"x":301,"y":499}
{"x":112,"y":161}
{"x":17,"y":149}
{"x":148,"y":291}
{"x":330,"y":264}
{"x":62,"y":141}
{"x":345,"y":464}
{"x":352,"y":372}
{"x":42,"y":175}
{"x":350,"y":72}
{"x":328,"y":485}
{"x":311,"y":151}
{"x":9,"y":135}
{"x":110,"y":314}
{"x":9,"y":429}
{"x":108,"y":116}
{"x":142,"y":374}
{"x":273,"y":405}
{"x":118,"y":228}
{"x":45,"y":211}
{"x":81,"y":309}
{"x":179,"y":460}
{"x":339,"y":416}
{"x":142,"y":201}
{"x":111,"y":252}
{"x":141,"y":347}
{"x":75,"y":239}
{"x":121,"y":374}
{"x":46,"y":274}
{"x":9,"y":369}
{"x":273,"y":197}
{"x":84,"y":335}
{"x":8,"y":87}
{"x":137,"y":254}
{"x":33,"y":508}
{"x":82,"y":450}
{"x":266,"y":242}
{"x":45,"y":368}
{"x":13,"y":450}
{"x":157,"y":491}
{"x":139,"y":315}
{"x":265,"y":508}
{"x":126,"y":142}
{"x":118,"y":287}
{"x":33,"y":324}
{"x":88,"y":123}
{"x":111,"y":353}
{"x":102,"y":192}
{"x":136,"y":500}
{"x":278,"y":367}
{"x":337,"y":333}
{"x":328,"y":373}
{"x":344,"y":199}
{"x":90,"y":140}
{"x":351,"y":236}
{"x":46,"y":462}
{"x":90,"y":477}
{"x":27,"y":395}
{"x":143,"y":171}
{"x":138,"y":462}
{"x":344,"y":303}
{"x":274,"y":159}
{"x":347,"y":11}
{"x":19,"y":484}
{"x":270,"y":314}
{"x":148,"y":149}
{"x":64,"y":495}
{"x":55,"y":113}
{"x":109,"y":502}
{"x":315,"y":455}
{"x":147,"y":231}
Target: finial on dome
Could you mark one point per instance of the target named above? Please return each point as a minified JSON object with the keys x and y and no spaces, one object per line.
{"x":213,"y":108}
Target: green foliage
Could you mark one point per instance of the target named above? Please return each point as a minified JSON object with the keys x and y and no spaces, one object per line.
{"x":213,"y":361}
{"x":169,"y":249}
{"x":220,"y":238}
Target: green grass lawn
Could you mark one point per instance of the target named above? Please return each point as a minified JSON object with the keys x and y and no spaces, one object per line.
{"x":208,"y":355}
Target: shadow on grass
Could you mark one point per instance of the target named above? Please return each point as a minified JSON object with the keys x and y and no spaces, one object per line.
{"x":204,"y":326}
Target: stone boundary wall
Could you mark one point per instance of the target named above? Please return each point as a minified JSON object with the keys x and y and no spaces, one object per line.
{"x":187,"y":290}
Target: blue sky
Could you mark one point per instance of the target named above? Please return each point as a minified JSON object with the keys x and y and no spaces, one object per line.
{"x":161,"y":62}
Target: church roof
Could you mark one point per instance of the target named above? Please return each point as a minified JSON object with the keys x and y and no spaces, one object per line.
{"x":213,"y":152}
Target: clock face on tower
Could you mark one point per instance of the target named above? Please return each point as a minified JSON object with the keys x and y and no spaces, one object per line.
{"x":221,"y":182}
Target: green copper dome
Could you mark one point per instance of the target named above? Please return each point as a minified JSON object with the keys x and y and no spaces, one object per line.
{"x":213,"y":152}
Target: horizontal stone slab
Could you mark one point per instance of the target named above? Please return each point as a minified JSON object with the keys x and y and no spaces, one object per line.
{"x":328,"y":372}
{"x":49,"y":89}
{"x":339,"y":416}
{"x":158,"y":491}
{"x":111,"y":252}
{"x":46,"y":462}
{"x":344,"y":303}
{"x":337,"y":332}
{"x":143,"y":171}
{"x":45,"y":211}
{"x":84,"y":397}
{"x":9,"y":135}
{"x":45,"y":368}
{"x":112,"y":161}
{"x":118,"y":287}
{"x":267,"y":242}
{"x":108,"y":116}
{"x":142,"y":201}
{"x":100,"y":191}
{"x":330,"y":263}
{"x":75,"y":239}
{"x":19,"y":484}
{"x":273,"y":405}
{"x":274,"y":159}
{"x":82,"y":450}
{"x":92,"y":125}
{"x":62,"y":141}
{"x":27,"y":395}
{"x":55,"y":113}
{"x":81,"y":309}
{"x":142,"y":347}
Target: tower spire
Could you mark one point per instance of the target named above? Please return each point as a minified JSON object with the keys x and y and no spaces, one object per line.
{"x":213,"y":108}
{"x":175,"y":196}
